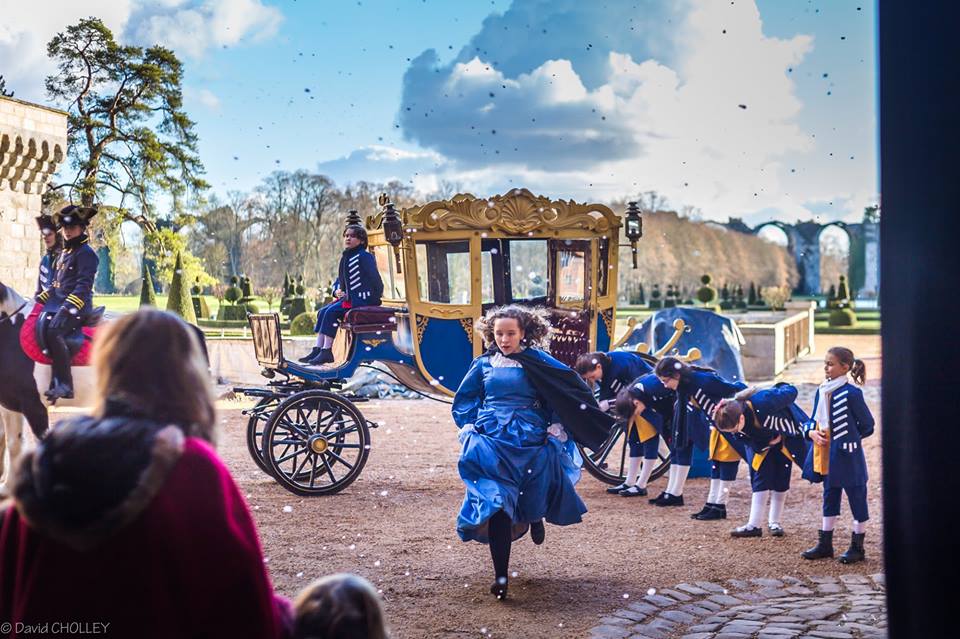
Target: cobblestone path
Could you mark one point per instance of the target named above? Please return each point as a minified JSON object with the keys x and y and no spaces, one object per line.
{"x":851,"y":606}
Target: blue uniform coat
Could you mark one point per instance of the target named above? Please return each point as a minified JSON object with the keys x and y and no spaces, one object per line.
{"x":657,"y":399}
{"x":707,"y":388}
{"x":850,"y":422}
{"x":359,"y":278}
{"x":48,"y":269}
{"x":774,"y":412}
{"x":624,"y":368}
{"x":73,"y":283}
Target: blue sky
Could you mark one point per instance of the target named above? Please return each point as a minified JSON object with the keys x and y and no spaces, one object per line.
{"x":753,"y":109}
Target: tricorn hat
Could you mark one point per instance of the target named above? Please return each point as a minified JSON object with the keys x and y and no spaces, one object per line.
{"x":46,"y":222}
{"x":74,"y":215}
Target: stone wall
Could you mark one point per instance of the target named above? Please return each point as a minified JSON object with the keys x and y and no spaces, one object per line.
{"x":33,"y":142}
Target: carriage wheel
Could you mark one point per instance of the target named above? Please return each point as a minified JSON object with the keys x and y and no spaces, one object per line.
{"x":315,"y":443}
{"x":609,"y":464}
{"x":259,"y":415}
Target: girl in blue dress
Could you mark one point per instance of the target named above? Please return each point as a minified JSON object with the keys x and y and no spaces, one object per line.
{"x":518,"y":462}
{"x":841,"y":421}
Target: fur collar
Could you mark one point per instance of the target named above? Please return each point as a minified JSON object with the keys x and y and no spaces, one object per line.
{"x":89,"y":478}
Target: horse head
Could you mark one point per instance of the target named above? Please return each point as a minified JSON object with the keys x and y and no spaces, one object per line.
{"x":12,"y":303}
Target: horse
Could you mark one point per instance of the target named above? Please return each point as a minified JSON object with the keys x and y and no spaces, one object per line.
{"x":22,"y":382}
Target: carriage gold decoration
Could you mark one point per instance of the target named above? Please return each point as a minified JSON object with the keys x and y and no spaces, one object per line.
{"x":443,"y":264}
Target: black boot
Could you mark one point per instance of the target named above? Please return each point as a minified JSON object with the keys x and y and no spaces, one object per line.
{"x":62,"y":385}
{"x":824,"y":547}
{"x":855,"y":552}
{"x":325,"y":356}
{"x":537,"y":532}
{"x":659,"y":498}
{"x":717,"y":511}
{"x":313,"y":353}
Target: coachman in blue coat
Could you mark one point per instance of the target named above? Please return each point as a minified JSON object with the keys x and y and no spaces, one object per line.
{"x":699,"y":391}
{"x":69,"y":298}
{"x":358,"y":284}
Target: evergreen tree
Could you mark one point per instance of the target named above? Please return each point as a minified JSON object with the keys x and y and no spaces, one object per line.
{"x":178,"y":300}
{"x":752,"y":295}
{"x":643,"y":299}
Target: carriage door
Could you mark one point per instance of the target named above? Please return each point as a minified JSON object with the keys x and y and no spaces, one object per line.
{"x":570,"y":297}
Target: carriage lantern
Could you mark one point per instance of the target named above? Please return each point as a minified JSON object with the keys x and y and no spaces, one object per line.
{"x":634,"y":228}
{"x":353,"y":217}
{"x":392,"y":227}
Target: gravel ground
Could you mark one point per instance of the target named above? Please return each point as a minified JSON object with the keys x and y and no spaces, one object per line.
{"x":395,"y":526}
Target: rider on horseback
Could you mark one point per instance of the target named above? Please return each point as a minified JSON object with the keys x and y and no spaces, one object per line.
{"x":54,"y":245}
{"x":70,"y":296}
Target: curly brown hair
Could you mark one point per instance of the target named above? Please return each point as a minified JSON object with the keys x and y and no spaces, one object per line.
{"x":532,"y":321}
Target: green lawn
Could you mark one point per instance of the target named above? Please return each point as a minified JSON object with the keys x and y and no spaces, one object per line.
{"x":130,"y":303}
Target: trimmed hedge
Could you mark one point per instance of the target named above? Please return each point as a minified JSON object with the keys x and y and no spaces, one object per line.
{"x":303,"y":324}
{"x":842,"y":317}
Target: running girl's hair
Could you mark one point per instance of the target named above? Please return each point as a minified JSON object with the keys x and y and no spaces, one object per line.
{"x":729,"y":411}
{"x":339,"y":606}
{"x":589,"y":361}
{"x":532,"y":321}
{"x":624,"y":405}
{"x":357,"y":231}
{"x":675,"y":368}
{"x":858,"y":370}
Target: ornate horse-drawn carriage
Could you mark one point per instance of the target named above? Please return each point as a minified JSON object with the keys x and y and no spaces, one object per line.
{"x":443,"y":265}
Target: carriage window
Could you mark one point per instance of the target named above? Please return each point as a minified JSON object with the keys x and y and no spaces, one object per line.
{"x":443,"y":270}
{"x":571,"y":269}
{"x":528,"y":269}
{"x":603,"y":268}
{"x":487,"y":293}
{"x":393,"y":285}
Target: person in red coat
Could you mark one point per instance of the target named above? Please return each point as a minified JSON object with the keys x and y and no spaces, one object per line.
{"x":128,"y":519}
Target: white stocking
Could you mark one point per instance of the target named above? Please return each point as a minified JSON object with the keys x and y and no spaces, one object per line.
{"x":632,"y":467}
{"x":327,"y":342}
{"x":758,"y":504}
{"x":859,"y":527}
{"x":645,"y":472}
{"x":777,"y":500}
{"x":714,"y":493}
{"x":671,"y":479}
{"x":828,"y":523}
{"x":723,"y":492}
{"x":679,"y":480}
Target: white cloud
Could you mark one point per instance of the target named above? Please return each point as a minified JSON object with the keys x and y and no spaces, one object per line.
{"x":206,"y":97}
{"x":193,"y":28}
{"x":704,"y":111}
{"x":189,"y":27}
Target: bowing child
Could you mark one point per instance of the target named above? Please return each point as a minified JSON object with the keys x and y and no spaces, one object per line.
{"x":647,"y":405}
{"x":611,"y":372}
{"x":841,"y":420}
{"x":768,"y":429}
{"x":699,"y":390}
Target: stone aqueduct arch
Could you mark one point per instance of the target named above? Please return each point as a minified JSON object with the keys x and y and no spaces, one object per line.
{"x":803,"y":242}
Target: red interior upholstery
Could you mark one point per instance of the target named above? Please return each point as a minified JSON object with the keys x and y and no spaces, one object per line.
{"x":369,"y":319}
{"x":571,"y":334}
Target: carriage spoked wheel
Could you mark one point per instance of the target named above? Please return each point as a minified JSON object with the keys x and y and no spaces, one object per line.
{"x":315,"y":443}
{"x":256,"y":423}
{"x":609,"y":464}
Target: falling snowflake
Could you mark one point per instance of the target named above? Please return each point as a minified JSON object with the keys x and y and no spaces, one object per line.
{"x":288,"y":509}
{"x":377,"y":563}
{"x":352,"y":546}
{"x":300,"y":574}
{"x":626,"y":595}
{"x":651,"y":591}
{"x":383,"y":493}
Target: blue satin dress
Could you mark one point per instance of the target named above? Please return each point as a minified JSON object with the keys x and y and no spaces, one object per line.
{"x":508,"y":459}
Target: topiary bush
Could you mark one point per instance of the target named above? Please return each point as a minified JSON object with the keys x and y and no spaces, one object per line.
{"x":148,"y":295}
{"x":233,"y":292}
{"x":303,"y":324}
{"x":752,"y":295}
{"x":655,"y":301}
{"x":706,"y":294}
{"x":200,"y":307}
{"x":296,"y":306}
{"x":842,"y":317}
{"x":178,"y":298}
